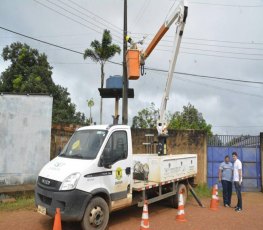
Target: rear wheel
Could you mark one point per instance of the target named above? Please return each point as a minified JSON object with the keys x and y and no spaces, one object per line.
{"x":174,"y":199}
{"x":96,"y":215}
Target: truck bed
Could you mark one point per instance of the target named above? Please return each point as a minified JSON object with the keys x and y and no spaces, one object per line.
{"x":159,"y":170}
{"x":139,"y":185}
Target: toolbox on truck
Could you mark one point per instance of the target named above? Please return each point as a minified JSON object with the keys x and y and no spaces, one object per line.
{"x":151,"y":167}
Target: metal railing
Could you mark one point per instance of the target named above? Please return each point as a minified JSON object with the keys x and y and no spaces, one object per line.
{"x":234,"y":140}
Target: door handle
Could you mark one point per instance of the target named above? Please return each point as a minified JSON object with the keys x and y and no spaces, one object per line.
{"x":128,"y":170}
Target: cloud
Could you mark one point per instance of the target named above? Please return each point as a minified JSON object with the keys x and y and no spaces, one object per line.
{"x":232,"y":108}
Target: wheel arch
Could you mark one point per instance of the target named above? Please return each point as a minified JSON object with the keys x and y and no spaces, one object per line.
{"x":103,"y":193}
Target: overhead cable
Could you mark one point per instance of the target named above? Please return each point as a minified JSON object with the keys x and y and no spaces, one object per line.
{"x":118,"y":63}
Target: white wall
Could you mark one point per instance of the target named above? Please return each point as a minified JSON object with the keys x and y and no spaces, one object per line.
{"x":25,"y":132}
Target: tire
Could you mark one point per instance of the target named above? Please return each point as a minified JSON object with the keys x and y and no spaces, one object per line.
{"x":96,"y":215}
{"x":174,"y":199}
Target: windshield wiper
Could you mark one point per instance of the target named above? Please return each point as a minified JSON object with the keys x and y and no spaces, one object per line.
{"x":77,"y":156}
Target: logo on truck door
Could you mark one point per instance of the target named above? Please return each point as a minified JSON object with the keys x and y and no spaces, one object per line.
{"x":118,"y":173}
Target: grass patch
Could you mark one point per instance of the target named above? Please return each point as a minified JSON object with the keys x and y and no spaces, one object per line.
{"x":202,"y":190}
{"x":25,"y":201}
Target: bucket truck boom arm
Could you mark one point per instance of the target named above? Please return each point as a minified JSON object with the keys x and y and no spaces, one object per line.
{"x":178,"y":17}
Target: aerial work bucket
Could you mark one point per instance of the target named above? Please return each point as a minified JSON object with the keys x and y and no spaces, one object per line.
{"x":133,"y":64}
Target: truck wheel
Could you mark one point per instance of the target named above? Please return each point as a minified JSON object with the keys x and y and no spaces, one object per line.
{"x":96,"y":215}
{"x":174,"y":199}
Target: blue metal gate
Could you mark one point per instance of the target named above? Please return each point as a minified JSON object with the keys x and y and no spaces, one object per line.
{"x":248,"y":151}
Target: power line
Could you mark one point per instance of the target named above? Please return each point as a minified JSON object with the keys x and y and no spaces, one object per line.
{"x":218,"y":87}
{"x":212,"y":45}
{"x":232,"y":47}
{"x":71,"y":63}
{"x":72,"y":19}
{"x":204,"y":76}
{"x":95,"y":15}
{"x":93,"y":24}
{"x":216,"y":51}
{"x":206,"y":39}
{"x":225,"y":41}
{"x":212,"y":55}
{"x":140,"y":13}
{"x":200,"y":44}
{"x":88,"y":16}
{"x":148,"y":68}
{"x":242,"y":126}
{"x":220,"y":56}
{"x":48,"y":43}
{"x":221,"y":88}
{"x":219,"y":51}
{"x":159,"y":45}
{"x":59,"y":6}
{"x":227,"y":5}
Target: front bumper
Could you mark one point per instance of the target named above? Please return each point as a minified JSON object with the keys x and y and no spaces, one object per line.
{"x":72,"y":203}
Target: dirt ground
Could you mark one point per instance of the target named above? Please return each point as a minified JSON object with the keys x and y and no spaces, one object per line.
{"x":161,"y":217}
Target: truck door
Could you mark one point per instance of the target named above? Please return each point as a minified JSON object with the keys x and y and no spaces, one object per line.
{"x":120,"y":178}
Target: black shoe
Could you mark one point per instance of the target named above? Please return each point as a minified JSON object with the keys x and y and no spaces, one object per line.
{"x":238,"y":209}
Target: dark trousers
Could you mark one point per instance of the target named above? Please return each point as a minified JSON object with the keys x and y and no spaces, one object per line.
{"x":227,"y":191}
{"x":238,"y":191}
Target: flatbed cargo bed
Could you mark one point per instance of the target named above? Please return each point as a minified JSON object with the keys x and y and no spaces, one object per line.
{"x":139,"y":185}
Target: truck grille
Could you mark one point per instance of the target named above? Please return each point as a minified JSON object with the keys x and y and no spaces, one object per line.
{"x":48,"y":184}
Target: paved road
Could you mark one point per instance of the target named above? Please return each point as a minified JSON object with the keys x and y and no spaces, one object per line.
{"x":161,"y":217}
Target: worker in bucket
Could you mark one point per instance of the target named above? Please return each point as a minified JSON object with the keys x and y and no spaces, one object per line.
{"x":225,"y":177}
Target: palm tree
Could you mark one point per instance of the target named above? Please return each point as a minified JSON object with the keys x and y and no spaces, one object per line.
{"x":102,"y":52}
{"x":90,"y":104}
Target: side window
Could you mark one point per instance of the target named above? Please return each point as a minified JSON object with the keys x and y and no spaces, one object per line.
{"x":117,"y":145}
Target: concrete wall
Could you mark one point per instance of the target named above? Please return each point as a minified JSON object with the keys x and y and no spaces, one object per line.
{"x":178,"y":142}
{"x":25,"y":131}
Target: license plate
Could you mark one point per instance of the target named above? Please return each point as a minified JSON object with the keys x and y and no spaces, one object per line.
{"x":42,"y":210}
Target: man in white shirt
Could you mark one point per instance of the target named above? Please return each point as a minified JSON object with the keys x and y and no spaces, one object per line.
{"x":237,"y":178}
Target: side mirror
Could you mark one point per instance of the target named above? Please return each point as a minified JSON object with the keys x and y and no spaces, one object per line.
{"x":106,"y":159}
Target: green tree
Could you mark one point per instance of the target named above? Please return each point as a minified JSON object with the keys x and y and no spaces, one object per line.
{"x":90,"y":105}
{"x":146,"y":118}
{"x":101,"y":52}
{"x":189,"y":118}
{"x":30,"y":72}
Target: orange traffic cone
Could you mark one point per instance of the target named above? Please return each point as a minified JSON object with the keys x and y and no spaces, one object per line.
{"x":215,"y":200}
{"x":145,"y":217}
{"x":57,"y":221}
{"x":180,"y":214}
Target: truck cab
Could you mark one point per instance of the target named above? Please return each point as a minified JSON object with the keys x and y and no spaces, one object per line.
{"x":95,"y":164}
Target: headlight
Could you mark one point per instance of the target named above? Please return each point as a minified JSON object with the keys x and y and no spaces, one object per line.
{"x":70,"y":182}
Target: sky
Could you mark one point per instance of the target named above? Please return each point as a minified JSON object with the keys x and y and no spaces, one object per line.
{"x":222,"y":38}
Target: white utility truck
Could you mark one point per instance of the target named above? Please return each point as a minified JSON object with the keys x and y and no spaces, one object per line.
{"x":97,"y":173}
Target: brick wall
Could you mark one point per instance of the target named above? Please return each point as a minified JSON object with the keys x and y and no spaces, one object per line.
{"x":60,"y":135}
{"x":178,"y":142}
{"x":261,"y":154}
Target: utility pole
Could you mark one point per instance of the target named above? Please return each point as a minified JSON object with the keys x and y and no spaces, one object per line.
{"x":125,"y":79}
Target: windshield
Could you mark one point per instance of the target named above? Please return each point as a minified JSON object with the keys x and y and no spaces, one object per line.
{"x":84,"y":144}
